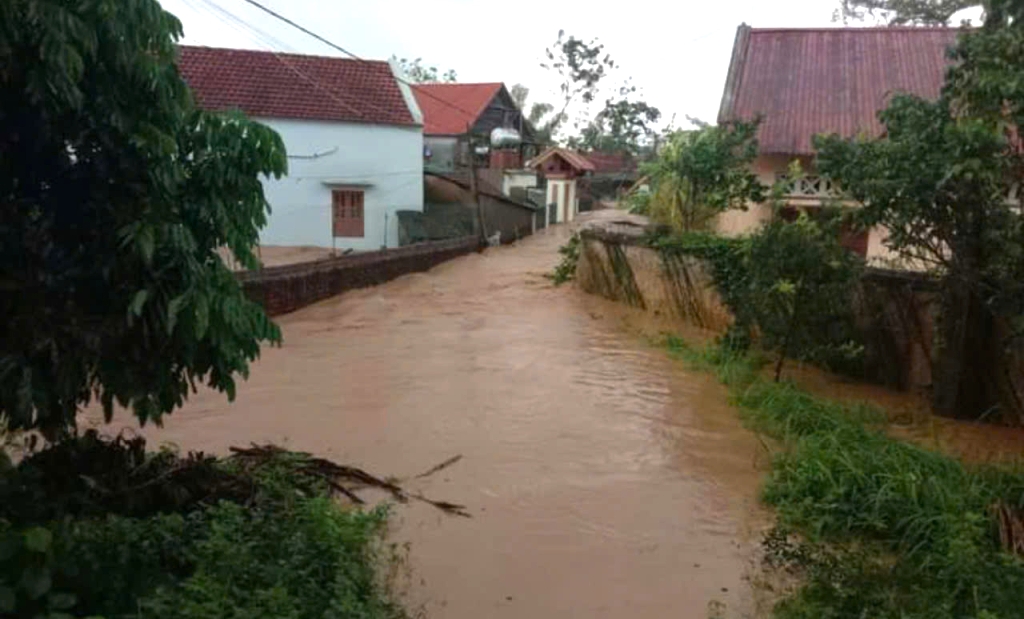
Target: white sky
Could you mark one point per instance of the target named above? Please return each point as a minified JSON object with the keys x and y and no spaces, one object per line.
{"x":677,"y":53}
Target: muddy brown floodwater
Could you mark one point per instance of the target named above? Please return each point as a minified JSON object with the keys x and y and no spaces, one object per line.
{"x":604,"y":480}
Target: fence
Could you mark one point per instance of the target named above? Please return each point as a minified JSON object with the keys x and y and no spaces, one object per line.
{"x":287,"y":288}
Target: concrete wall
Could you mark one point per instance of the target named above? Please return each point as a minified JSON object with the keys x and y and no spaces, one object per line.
{"x":767,"y":167}
{"x":517,"y":178}
{"x":386,"y":162}
{"x":513,"y":220}
{"x":443,"y":152}
{"x":287,"y":288}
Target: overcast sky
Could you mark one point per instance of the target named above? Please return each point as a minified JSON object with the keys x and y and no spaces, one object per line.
{"x":677,"y":53}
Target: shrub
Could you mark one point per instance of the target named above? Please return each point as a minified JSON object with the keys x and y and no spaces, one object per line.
{"x":238,"y":541}
{"x":565,"y":270}
{"x":873,"y":526}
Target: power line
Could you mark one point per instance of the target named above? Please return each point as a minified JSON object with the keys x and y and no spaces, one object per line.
{"x":348,"y":53}
{"x":271,"y":42}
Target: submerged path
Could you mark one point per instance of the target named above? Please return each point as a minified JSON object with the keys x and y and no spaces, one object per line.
{"x":604,"y":480}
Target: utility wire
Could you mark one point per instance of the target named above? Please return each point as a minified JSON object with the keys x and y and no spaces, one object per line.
{"x":348,"y":53}
{"x":273,"y":45}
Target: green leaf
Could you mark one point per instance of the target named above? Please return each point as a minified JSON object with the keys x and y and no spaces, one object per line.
{"x":36,"y":581}
{"x":172,"y":312}
{"x":38,"y":539}
{"x":146,"y":243}
{"x":138,"y":301}
{"x":8,"y":601}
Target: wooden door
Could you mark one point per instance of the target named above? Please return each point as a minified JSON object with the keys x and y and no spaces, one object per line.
{"x":347,"y":208}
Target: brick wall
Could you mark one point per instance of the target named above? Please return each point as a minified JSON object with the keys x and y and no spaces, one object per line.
{"x":287,"y":288}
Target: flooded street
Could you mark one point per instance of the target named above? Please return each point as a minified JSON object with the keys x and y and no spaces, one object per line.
{"x":604,"y":480}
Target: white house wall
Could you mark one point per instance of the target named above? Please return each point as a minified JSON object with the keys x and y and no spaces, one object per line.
{"x":386,"y":162}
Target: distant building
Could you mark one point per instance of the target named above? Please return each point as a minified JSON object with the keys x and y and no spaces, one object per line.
{"x":560,"y":168}
{"x":459,"y":121}
{"x":822,"y":81}
{"x":353,"y":133}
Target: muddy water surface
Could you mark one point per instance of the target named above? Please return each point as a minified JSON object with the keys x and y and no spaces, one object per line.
{"x":604,"y":480}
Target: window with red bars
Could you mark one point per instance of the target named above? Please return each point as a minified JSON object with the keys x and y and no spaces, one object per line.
{"x":347,"y":206}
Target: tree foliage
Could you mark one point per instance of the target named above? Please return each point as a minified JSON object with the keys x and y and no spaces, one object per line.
{"x":417,"y":72}
{"x":520,"y":94}
{"x":117,"y":192}
{"x":702,"y":172}
{"x":904,"y":12}
{"x":939,"y":181}
{"x":799,"y":289}
{"x":622,"y":126}
{"x":581,"y":67}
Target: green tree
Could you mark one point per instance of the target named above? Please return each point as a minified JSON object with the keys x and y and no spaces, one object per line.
{"x":116,"y":194}
{"x":798,"y":289}
{"x":581,"y":67}
{"x":939,"y":181}
{"x":418,"y":72}
{"x":702,"y":172}
{"x":622,"y":126}
{"x":904,"y":12}
{"x":520,"y":94}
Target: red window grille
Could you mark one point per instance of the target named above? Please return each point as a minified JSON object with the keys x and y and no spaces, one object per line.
{"x":347,"y":206}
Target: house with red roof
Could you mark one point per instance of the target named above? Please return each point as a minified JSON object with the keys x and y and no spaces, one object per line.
{"x":473,"y":120}
{"x":353,"y":133}
{"x":806,"y":82}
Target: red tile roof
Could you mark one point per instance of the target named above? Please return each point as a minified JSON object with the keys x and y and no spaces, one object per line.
{"x":273,"y":85}
{"x":609,"y":162}
{"x":449,"y":108}
{"x":806,"y":82}
{"x":576,"y":160}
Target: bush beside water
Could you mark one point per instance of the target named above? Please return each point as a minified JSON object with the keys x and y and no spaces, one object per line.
{"x":875,"y":527}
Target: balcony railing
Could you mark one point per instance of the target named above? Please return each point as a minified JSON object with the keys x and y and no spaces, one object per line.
{"x":808,"y":187}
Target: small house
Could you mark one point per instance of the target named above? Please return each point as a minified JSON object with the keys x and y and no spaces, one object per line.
{"x":481,"y":121}
{"x":353,"y":134}
{"x":805,"y":82}
{"x":561,"y":168}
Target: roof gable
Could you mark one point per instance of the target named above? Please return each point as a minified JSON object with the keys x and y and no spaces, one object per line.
{"x":448,"y":109}
{"x":294,"y":86}
{"x":575,"y":160}
{"x":808,"y":82}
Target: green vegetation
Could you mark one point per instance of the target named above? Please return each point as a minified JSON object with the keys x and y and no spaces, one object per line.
{"x":117,"y":193}
{"x":565,"y":270}
{"x":162,"y":536}
{"x":702,"y":172}
{"x":789,"y":284}
{"x":874,"y":527}
{"x":941,"y":180}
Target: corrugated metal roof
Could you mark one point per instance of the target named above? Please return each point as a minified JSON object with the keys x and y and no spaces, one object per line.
{"x":272,"y":85}
{"x":449,"y":109}
{"x":806,"y":82}
{"x":576,"y":160}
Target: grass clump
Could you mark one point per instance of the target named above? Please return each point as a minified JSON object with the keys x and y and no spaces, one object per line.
{"x":192,"y":537}
{"x":565,"y":270}
{"x":875,"y":527}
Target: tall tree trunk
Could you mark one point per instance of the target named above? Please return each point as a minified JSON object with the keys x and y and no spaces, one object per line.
{"x":965,"y":381}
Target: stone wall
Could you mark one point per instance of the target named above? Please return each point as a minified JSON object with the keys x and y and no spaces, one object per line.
{"x":287,"y":288}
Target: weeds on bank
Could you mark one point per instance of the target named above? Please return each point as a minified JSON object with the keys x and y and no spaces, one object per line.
{"x":874,"y":527}
{"x":565,"y":270}
{"x":94,"y":527}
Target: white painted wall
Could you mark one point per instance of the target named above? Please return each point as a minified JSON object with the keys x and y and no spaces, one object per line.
{"x":385,"y":161}
{"x":517,"y":178}
{"x":565,"y":210}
